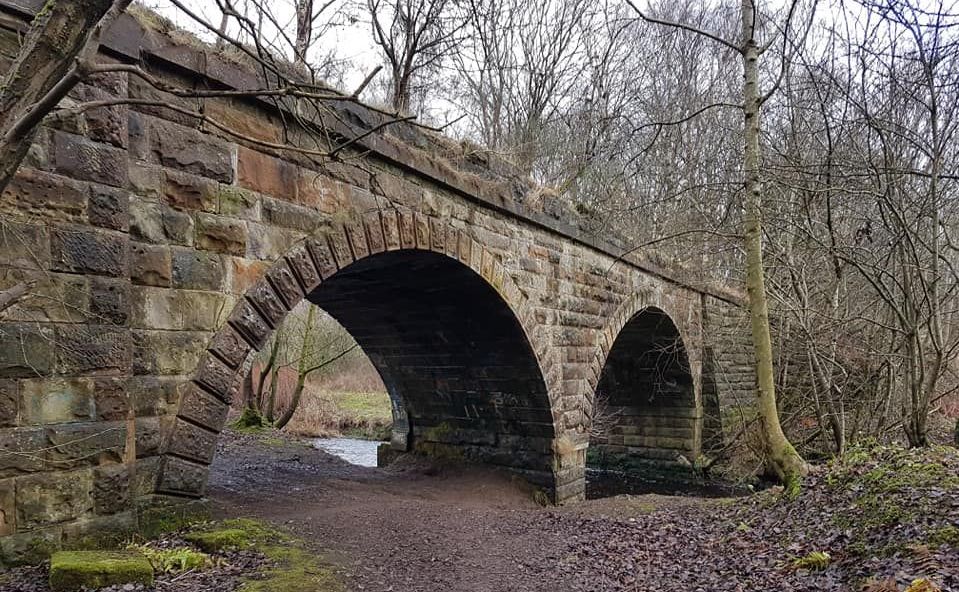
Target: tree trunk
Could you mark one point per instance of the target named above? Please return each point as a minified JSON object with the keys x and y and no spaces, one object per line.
{"x":783,"y":458}
{"x":294,"y":403}
{"x":63,"y":37}
{"x":304,"y":31}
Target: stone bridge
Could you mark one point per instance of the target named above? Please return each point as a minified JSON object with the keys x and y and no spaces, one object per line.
{"x":165,"y":251}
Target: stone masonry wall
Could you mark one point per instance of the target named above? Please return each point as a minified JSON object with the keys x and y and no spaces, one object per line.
{"x":151,"y":239}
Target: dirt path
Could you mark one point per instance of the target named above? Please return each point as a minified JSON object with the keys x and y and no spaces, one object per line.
{"x":400,"y":529}
{"x":416,"y":529}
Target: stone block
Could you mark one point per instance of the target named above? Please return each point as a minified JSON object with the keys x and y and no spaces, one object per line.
{"x":248,"y":323}
{"x":301,"y":263}
{"x":183,"y":477}
{"x":8,"y":507}
{"x":150,"y":265}
{"x":26,"y":349}
{"x":192,"y":442}
{"x":285,"y":283}
{"x":267,"y":302}
{"x":81,"y":250}
{"x":93,"y":349}
{"x":178,"y":227}
{"x":71,"y":571}
{"x":9,"y":403}
{"x":266,"y":174}
{"x":322,"y":193}
{"x":145,"y":181}
{"x":166,"y":352}
{"x":322,"y":256}
{"x":287,"y":215}
{"x":269,"y":243}
{"x":104,"y":124}
{"x":202,"y":408}
{"x":81,"y":159}
{"x":230,"y":347}
{"x":22,"y":451}
{"x":111,"y":489}
{"x":216,"y":377}
{"x":196,"y":270}
{"x":244,"y":273}
{"x":54,"y":297}
{"x":238,"y":203}
{"x":86,"y":444}
{"x":109,"y":208}
{"x":221,"y":234}
{"x":29,"y":548}
{"x":25,"y":246}
{"x":154,"y":395}
{"x":189,"y":192}
{"x":111,"y":398}
{"x":109,"y":300}
{"x":185,"y":149}
{"x":56,"y":400}
{"x":204,"y":311}
{"x":33,"y":193}
{"x":156,"y":308}
{"x":51,"y":498}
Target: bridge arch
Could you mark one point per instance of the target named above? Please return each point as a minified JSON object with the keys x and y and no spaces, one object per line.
{"x":645,"y":388}
{"x":450,"y":333}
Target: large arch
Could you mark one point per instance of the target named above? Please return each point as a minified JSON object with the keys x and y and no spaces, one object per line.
{"x":447,"y":329}
{"x":646,"y":392}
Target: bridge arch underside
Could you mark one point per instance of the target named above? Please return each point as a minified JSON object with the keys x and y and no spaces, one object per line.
{"x":461,"y":374}
{"x":645,"y":406}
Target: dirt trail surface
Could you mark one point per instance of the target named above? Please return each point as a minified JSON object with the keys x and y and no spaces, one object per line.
{"x":412,"y":528}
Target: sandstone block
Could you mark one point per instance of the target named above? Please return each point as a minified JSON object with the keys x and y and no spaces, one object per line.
{"x":21,"y":451}
{"x":26,"y":349}
{"x":52,"y":197}
{"x":266,"y":174}
{"x":221,"y":234}
{"x":80,"y":250}
{"x":196,"y":270}
{"x":84,"y":160}
{"x":150,"y":265}
{"x":111,"y":489}
{"x":9,"y":403}
{"x":178,"y":147}
{"x":189,"y":192}
{"x":51,"y":498}
{"x":56,"y":400}
{"x":203,"y":408}
{"x":8,"y":512}
{"x":24,"y":245}
{"x":100,"y":349}
{"x":109,"y":208}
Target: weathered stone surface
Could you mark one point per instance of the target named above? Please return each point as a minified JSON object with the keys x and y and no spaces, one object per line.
{"x":243,"y":273}
{"x":24,"y":245}
{"x":52,"y":498}
{"x":109,"y":300}
{"x":26,"y":349}
{"x":250,"y":324}
{"x":238,"y":203}
{"x":81,"y":159}
{"x":109,"y":208}
{"x":56,"y":400}
{"x":22,"y":451}
{"x":301,"y":262}
{"x":230,"y":347}
{"x":267,"y":302}
{"x":217,"y":377}
{"x":188,"y":150}
{"x":287,"y":215}
{"x":221,"y":234}
{"x":9,"y":403}
{"x":193,"y":442}
{"x":285,"y":284}
{"x":8,"y":508}
{"x":85,"y":444}
{"x":105,"y":124}
{"x":196,"y":270}
{"x":166,"y":352}
{"x":188,"y":192}
{"x":111,"y":489}
{"x":183,"y":477}
{"x":150,"y":265}
{"x":100,"y":349}
{"x":33,"y":193}
{"x":79,"y":250}
{"x":269,"y":243}
{"x":266,"y":174}
{"x":202,"y":408}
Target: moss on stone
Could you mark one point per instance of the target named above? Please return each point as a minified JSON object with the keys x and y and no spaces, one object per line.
{"x":922,"y":585}
{"x":219,"y":540}
{"x":76,"y":570}
{"x":175,"y":560}
{"x":250,"y":421}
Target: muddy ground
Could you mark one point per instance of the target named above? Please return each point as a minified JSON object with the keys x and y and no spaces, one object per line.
{"x":414,"y":528}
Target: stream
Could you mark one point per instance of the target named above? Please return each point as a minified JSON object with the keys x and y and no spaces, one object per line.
{"x":352,"y":450}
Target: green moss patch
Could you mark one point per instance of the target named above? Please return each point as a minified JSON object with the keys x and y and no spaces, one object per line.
{"x":294,"y":570}
{"x":75,"y":570}
{"x":175,"y":560}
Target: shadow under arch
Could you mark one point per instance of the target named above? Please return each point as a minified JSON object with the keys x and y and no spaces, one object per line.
{"x":437,"y":315}
{"x":645,"y":406}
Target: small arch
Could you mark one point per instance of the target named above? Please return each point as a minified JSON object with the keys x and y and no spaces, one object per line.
{"x":645,"y":406}
{"x":448,"y":330}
